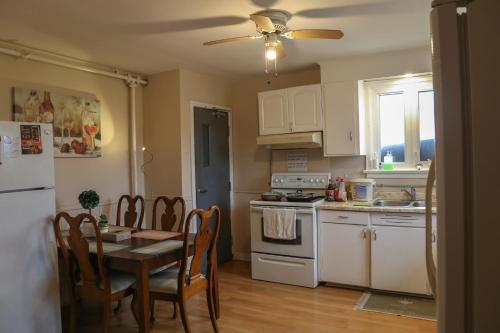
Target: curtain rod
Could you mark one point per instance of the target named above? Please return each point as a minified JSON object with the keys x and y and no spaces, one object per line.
{"x":27,"y":53}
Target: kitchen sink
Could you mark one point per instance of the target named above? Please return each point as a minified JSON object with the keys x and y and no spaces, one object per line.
{"x":398,"y":203}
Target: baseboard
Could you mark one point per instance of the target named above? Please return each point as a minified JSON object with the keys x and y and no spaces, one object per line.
{"x":242,"y":256}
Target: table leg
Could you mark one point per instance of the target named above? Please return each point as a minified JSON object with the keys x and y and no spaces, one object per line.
{"x":142,"y":284}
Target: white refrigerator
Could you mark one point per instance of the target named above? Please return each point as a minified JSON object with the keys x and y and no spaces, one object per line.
{"x":466,"y":66}
{"x":29,"y":292}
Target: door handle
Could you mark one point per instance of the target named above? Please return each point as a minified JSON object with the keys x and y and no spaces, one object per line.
{"x":374,"y":234}
{"x":201,"y":190}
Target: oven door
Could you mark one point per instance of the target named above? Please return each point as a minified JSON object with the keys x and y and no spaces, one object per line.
{"x":305,"y":244}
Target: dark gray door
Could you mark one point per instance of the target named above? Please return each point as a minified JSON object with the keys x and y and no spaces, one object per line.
{"x":213,"y":187}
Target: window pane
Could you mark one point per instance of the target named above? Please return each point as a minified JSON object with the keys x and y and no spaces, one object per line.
{"x":427,"y":132}
{"x":392,"y":126}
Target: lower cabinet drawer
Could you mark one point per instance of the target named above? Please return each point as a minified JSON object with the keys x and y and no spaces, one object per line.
{"x":288,"y":270}
{"x":345,"y":217}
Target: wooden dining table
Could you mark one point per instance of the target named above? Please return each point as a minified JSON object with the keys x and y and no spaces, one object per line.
{"x":140,"y":264}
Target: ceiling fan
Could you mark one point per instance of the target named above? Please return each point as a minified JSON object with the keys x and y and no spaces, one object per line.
{"x":271,"y":26}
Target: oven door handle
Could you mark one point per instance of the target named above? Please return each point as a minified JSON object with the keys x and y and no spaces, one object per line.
{"x":297,"y":211}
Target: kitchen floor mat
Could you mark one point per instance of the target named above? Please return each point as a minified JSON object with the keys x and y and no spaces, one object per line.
{"x":406,"y":306}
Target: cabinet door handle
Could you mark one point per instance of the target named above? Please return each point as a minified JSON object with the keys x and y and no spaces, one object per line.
{"x":363,"y":232}
{"x":290,"y":124}
{"x":350,"y":135}
{"x":434,"y":237}
{"x":374,"y":234}
{"x":343,"y":217}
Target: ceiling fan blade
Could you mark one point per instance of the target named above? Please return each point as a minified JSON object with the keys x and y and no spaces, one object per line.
{"x":280,"y":50}
{"x":313,"y":33}
{"x":264,"y":23}
{"x":160,"y":27}
{"x":232,"y":39}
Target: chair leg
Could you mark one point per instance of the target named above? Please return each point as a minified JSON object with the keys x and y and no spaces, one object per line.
{"x":183,"y":311}
{"x":133,"y":307}
{"x":118,"y":307}
{"x":152,"y":310}
{"x":174,"y":316}
{"x":72,"y":316}
{"x":106,"y":316}
{"x":211,"y":307}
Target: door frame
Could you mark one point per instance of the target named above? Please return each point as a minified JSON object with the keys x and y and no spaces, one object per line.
{"x":228,"y":110}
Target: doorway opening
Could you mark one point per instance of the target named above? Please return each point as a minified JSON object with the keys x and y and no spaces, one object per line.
{"x":212,"y":168}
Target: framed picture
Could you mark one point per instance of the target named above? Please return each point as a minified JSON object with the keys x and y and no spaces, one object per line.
{"x":76,"y":119}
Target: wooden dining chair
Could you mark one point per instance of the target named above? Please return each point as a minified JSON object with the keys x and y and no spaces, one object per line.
{"x":89,"y":281}
{"x":179,"y":284}
{"x":131,"y":218}
{"x":168,"y":218}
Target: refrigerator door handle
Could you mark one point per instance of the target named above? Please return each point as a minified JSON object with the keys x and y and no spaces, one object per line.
{"x":1,"y":150}
{"x":431,"y":265}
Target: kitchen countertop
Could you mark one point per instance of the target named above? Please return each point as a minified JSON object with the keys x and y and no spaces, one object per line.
{"x":333,"y":205}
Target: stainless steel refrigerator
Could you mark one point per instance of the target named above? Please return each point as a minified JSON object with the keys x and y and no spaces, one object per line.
{"x":29,"y":292}
{"x":466,"y":66}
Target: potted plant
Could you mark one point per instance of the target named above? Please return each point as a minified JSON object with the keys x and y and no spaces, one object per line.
{"x":89,"y":200}
{"x":103,"y":223}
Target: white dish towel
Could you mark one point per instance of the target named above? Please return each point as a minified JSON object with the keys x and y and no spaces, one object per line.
{"x":279,"y":223}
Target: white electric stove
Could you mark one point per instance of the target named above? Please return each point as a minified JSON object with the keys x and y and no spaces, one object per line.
{"x":289,"y":261}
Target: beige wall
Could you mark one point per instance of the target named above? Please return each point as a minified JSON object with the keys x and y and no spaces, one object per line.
{"x":251,"y":163}
{"x":108,"y":175}
{"x":167,"y":129}
{"x":377,"y":65}
{"x":162,"y":134}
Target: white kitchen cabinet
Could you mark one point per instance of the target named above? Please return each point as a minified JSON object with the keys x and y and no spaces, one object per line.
{"x":292,"y":110}
{"x":344,"y":247}
{"x":273,"y":112}
{"x":340,"y":134}
{"x":398,"y":259}
{"x":304,"y":108}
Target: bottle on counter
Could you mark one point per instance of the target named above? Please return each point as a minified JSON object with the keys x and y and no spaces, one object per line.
{"x":330,"y":191}
{"x":340,"y":193}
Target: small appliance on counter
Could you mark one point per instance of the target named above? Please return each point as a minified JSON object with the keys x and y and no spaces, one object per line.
{"x":362,"y":189}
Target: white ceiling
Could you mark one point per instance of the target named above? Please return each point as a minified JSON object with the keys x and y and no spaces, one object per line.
{"x":149,"y":36}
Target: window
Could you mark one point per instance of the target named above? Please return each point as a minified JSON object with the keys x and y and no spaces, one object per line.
{"x":400,"y":120}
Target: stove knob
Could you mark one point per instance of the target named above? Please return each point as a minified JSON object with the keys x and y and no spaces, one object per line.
{"x":311,"y":180}
{"x":281,"y":180}
{"x":276,"y":180}
{"x":322,"y":181}
{"x":317,"y":180}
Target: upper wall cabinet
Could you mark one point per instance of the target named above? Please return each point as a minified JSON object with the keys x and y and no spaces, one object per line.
{"x":291,"y":110}
{"x":273,"y":112}
{"x":304,"y":108}
{"x":340,"y":136}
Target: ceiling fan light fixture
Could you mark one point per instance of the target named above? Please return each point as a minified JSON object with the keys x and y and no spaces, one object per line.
{"x":271,"y":52}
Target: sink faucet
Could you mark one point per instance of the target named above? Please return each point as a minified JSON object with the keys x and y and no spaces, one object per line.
{"x":412,"y":193}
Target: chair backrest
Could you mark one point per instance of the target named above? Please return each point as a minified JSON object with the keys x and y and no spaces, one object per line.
{"x":87,"y":278}
{"x":168,"y":218}
{"x":131,"y":216}
{"x":204,"y":243}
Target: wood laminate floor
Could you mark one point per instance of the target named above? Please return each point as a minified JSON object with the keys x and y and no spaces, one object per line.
{"x":254,"y":306}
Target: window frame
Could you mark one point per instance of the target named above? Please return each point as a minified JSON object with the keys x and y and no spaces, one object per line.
{"x":410,"y":87}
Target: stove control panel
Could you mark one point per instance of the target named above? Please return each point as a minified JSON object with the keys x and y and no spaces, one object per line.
{"x":300,"y":180}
